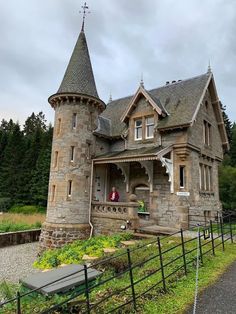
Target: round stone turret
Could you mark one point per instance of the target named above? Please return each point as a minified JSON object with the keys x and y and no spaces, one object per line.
{"x":77,"y":107}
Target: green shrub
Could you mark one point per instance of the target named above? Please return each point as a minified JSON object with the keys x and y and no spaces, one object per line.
{"x":27,"y":209}
{"x":5,"y":204}
{"x":74,"y":252}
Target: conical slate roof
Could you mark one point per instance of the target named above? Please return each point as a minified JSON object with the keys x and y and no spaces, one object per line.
{"x":79,"y":77}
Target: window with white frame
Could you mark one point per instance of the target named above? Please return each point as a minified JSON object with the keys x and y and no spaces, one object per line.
{"x":149,"y":122}
{"x":138,"y":129}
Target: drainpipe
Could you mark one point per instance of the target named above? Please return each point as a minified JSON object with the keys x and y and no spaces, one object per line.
{"x":90,"y":201}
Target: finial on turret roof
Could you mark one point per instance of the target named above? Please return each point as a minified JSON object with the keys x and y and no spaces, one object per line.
{"x":209,"y":67}
{"x":84,"y":12}
{"x":141,"y":81}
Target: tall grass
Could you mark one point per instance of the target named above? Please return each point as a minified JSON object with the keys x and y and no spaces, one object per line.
{"x":22,"y":218}
{"x":17,"y":222}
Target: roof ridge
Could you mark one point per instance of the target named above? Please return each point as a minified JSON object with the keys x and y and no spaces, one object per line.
{"x":162,"y":86}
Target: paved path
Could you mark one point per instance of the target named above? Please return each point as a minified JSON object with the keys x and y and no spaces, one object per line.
{"x":16,"y":261}
{"x":220,"y":297}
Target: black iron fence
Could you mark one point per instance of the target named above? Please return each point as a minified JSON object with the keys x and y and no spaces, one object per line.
{"x":147,"y":268}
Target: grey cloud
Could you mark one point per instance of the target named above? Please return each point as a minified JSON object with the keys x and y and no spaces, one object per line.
{"x":163,"y":39}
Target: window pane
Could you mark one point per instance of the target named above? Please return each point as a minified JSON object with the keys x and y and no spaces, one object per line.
{"x":149,"y":120}
{"x":139,"y":133}
{"x":138,"y":123}
{"x":150,"y":130}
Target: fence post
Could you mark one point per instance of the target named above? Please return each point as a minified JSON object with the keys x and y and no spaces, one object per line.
{"x":200,"y":246}
{"x":222,"y":234}
{"x":230,"y":228}
{"x":212,"y":239}
{"x":161,"y":264}
{"x":131,"y":279}
{"x":218,"y":229}
{"x":86,"y":288}
{"x":183,"y":251}
{"x":18,"y":303}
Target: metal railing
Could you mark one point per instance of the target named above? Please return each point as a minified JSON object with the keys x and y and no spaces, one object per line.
{"x":170,"y":263}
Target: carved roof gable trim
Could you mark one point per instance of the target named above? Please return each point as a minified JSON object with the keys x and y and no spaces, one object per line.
{"x":142,"y":91}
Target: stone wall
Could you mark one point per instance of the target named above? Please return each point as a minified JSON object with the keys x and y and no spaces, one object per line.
{"x":57,"y":235}
{"x":19,"y":237}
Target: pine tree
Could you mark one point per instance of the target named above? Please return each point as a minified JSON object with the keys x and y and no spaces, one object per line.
{"x":227,"y":122}
{"x":232,"y":152}
{"x":11,"y":171}
{"x":40,"y":178}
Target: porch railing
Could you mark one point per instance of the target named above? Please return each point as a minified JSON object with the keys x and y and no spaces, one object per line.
{"x":124,"y":209}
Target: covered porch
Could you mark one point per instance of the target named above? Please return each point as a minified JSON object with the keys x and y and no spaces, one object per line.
{"x":141,"y":176}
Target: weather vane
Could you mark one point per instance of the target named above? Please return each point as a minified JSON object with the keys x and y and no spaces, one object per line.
{"x":84,"y":12}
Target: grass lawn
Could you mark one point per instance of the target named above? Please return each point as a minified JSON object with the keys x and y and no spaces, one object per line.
{"x":17,"y":222}
{"x":181,"y":294}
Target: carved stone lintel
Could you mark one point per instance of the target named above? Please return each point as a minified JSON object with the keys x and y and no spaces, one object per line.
{"x":182,"y":153}
{"x":148,"y":166}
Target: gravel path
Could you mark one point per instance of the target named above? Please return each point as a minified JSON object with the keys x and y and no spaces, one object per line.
{"x":16,"y":261}
{"x":219,"y":298}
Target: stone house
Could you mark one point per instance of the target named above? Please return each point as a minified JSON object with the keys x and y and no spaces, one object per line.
{"x":161,"y":147}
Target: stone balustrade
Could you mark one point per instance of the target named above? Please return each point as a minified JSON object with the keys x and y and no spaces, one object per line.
{"x":112,"y":215}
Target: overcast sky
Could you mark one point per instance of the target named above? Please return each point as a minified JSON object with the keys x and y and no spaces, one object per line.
{"x":163,"y":39}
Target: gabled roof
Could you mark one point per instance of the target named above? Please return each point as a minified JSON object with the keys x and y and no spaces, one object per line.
{"x":179,"y":99}
{"x":154,"y":102}
{"x":79,"y":76}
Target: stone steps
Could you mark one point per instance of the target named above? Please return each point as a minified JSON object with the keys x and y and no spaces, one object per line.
{"x":156,"y":230}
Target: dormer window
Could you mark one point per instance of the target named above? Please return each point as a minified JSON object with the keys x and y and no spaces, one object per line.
{"x":138,"y":130}
{"x":149,"y":127}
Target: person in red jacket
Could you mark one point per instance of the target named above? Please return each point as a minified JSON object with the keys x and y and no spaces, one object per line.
{"x":114,"y":195}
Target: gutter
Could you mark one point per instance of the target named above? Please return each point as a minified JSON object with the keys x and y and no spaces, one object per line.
{"x":90,"y":202}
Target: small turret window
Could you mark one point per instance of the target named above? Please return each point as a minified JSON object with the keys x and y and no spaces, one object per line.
{"x":74,"y":120}
{"x":72,"y":153}
{"x":53,"y":193}
{"x":59,"y":126}
{"x":55,"y":159}
{"x":69,"y":192}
